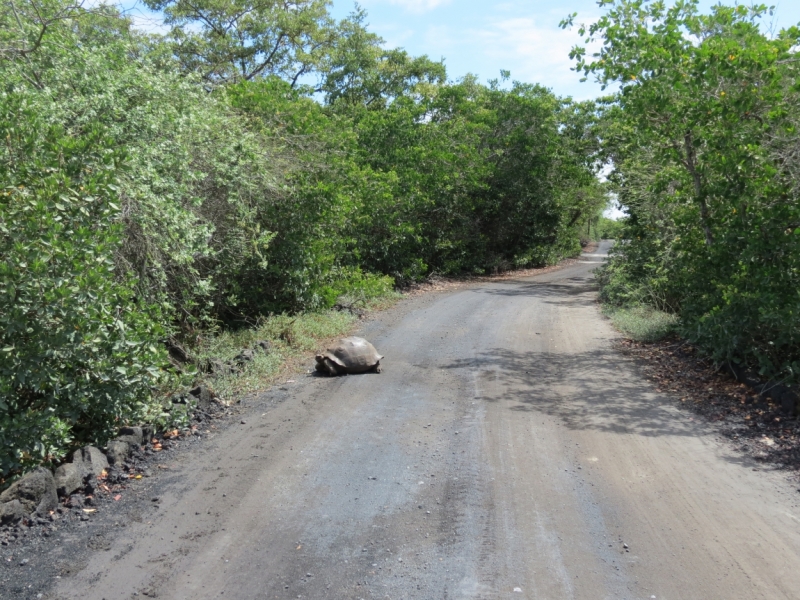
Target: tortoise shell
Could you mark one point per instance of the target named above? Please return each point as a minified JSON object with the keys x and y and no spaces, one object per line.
{"x":349,"y":355}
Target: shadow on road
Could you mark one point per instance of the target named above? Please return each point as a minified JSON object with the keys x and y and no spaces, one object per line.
{"x":576,"y":291}
{"x":587,"y":391}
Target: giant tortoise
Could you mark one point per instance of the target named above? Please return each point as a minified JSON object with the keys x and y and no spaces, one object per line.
{"x":349,"y":355}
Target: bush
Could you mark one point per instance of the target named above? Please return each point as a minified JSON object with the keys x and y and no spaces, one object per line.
{"x":79,"y":354}
{"x":354,"y":285}
{"x":642,"y":323}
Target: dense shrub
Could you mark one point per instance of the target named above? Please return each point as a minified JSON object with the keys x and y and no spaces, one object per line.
{"x":162,"y":187}
{"x":79,"y":353}
{"x":703,"y":140}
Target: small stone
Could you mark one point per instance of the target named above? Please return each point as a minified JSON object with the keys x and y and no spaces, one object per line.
{"x":35,"y":492}
{"x":244,"y":422}
{"x":132,"y":435}
{"x":625,"y":546}
{"x":518,"y":590}
{"x":245,"y":357}
{"x":23,"y":562}
{"x":68,"y":478}
{"x":12,"y":512}
{"x":203,"y":395}
{"x":75,"y":501}
{"x":117,"y":451}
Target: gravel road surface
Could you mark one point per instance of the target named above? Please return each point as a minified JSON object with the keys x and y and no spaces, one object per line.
{"x":506,"y":451}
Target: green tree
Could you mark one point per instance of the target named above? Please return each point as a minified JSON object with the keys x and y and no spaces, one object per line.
{"x":245,"y":39}
{"x":703,"y":101}
{"x":360,"y":72}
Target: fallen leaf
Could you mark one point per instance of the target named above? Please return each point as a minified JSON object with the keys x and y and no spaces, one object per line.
{"x":138,"y":477}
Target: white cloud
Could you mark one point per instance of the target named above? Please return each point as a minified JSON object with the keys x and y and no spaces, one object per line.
{"x":533,"y":53}
{"x":394,"y":37}
{"x":419,"y":6}
{"x":439,"y":40}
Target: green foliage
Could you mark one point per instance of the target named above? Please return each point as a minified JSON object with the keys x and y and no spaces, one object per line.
{"x":174,"y":186}
{"x":642,"y":322}
{"x":608,"y":229}
{"x":234,"y":40}
{"x":360,"y":72}
{"x":307,"y":331}
{"x":79,"y":354}
{"x":702,"y":138}
{"x":353,"y":285}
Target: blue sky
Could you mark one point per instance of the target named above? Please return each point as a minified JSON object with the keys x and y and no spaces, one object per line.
{"x":483,"y":37}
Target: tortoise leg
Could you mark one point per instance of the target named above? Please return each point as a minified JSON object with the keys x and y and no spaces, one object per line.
{"x":331,"y":368}
{"x":376,"y":368}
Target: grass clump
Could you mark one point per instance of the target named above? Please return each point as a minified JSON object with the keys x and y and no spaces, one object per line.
{"x":642,"y":323}
{"x":292,"y":338}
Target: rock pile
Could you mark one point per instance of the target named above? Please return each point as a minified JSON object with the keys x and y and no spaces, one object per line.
{"x":35,"y":496}
{"x":91,"y":472}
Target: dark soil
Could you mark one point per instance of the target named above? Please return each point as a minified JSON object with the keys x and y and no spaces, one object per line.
{"x":756,"y":426}
{"x":36,"y":552}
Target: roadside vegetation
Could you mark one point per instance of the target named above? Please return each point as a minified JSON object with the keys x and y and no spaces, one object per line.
{"x":702,"y":142}
{"x":262,"y":172}
{"x":167,"y":199}
{"x":642,"y":322}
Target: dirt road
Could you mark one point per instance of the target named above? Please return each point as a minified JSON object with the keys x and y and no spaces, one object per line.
{"x":506,"y":451}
